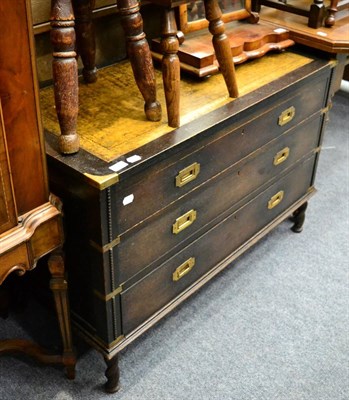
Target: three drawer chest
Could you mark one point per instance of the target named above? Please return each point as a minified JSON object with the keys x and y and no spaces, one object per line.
{"x":152,"y":213}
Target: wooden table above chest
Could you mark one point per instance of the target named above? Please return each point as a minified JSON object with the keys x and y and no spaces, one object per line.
{"x":153,"y":213}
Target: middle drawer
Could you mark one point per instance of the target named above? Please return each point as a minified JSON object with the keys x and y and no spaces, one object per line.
{"x":178,"y":273}
{"x":145,"y":246}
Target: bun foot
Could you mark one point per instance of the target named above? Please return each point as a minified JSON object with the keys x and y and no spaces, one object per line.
{"x":69,"y":144}
{"x":112,"y":374}
{"x":298,"y":218}
{"x":70,"y":372}
{"x":111,"y":388}
{"x":153,"y":111}
{"x":90,"y":75}
{"x":296,"y":229}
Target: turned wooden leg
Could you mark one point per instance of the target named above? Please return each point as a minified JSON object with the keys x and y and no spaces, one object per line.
{"x":256,"y":6}
{"x":140,"y":56}
{"x":331,"y":12}
{"x":298,"y":218}
{"x":58,"y":286}
{"x":171,"y":67}
{"x":317,"y":14}
{"x":221,"y":45}
{"x":85,"y":38}
{"x":65,"y":74}
{"x":112,"y":374}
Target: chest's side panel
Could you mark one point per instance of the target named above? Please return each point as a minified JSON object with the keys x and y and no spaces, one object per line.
{"x":8,"y":217}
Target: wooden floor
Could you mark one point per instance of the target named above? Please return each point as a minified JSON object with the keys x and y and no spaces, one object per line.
{"x":111,"y":120}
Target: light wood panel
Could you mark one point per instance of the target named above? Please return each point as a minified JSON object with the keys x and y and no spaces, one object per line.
{"x":18,"y":92}
{"x":111,"y":119}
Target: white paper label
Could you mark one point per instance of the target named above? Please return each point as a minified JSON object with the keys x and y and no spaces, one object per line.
{"x":321,"y":33}
{"x":280,"y":30}
{"x":128,"y":199}
{"x":118,"y":166}
{"x":133,"y":159}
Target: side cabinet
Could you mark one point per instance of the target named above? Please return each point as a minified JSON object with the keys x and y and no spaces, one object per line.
{"x":30,"y":223}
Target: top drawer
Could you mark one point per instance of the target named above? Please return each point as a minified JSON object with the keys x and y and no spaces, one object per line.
{"x":165,"y":182}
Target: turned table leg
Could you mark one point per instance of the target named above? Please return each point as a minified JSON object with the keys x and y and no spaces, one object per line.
{"x":140,"y":56}
{"x":298,"y":218}
{"x":171,"y":67}
{"x":85,"y":38}
{"x":331,"y":12}
{"x":58,"y":286}
{"x":221,"y":45}
{"x":112,"y":374}
{"x":65,"y":74}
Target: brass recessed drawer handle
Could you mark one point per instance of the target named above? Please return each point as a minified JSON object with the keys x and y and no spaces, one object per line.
{"x":183,"y":269}
{"x":287,"y":116}
{"x":281,"y":156}
{"x":187,"y":174}
{"x":184,"y":221}
{"x":276,"y":199}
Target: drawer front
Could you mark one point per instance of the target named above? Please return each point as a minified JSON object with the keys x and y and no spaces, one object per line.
{"x":177,"y":223}
{"x":152,"y":293}
{"x":160,"y":185}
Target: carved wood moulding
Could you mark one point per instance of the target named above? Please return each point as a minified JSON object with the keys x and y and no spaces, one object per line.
{"x":248,"y":41}
{"x":37,"y":234}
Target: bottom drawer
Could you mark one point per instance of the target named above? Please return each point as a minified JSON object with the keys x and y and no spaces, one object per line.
{"x":153,"y":292}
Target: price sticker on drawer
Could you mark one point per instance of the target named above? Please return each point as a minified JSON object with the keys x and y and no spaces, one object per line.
{"x":128,"y":199}
{"x":133,"y":159}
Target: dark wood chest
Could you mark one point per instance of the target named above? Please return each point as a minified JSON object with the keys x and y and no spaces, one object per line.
{"x":152,"y":222}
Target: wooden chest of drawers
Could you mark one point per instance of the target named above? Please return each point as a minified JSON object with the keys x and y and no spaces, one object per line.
{"x":147,"y":228}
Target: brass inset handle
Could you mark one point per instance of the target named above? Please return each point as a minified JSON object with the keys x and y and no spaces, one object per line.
{"x":287,"y":116}
{"x":276,"y":199}
{"x":184,"y":221}
{"x":281,"y":156}
{"x":187,"y":174}
{"x":183,"y":269}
